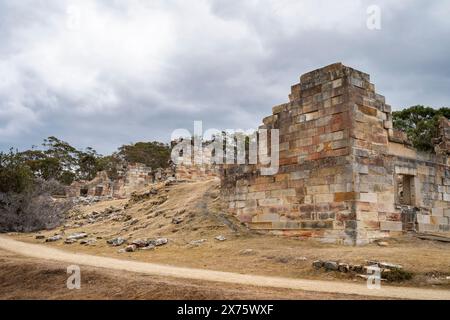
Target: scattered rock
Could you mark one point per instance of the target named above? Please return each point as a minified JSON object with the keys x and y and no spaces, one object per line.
{"x":197,"y":242}
{"x":357,"y":268}
{"x":331,"y":265}
{"x":317,"y":264}
{"x":159,"y":242}
{"x":149,"y":247}
{"x":177,"y":220}
{"x":220,"y":238}
{"x":383,"y":243}
{"x":116,"y":241}
{"x":343,"y":267}
{"x":40,"y":237}
{"x":70,"y":241}
{"x":88,"y":242}
{"x":282,"y":259}
{"x":131,"y":222}
{"x":141,"y":243}
{"x":247,"y":252}
{"x":131,"y":248}
{"x":384,"y":265}
{"x":54,"y":238}
{"x":77,"y":236}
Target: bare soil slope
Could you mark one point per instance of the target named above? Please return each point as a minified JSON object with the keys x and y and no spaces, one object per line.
{"x":186,"y":212}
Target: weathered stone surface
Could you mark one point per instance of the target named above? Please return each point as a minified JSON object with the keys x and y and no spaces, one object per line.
{"x":77,"y":236}
{"x":220,"y":238}
{"x":130,"y":248}
{"x":344,"y":172}
{"x":331,"y":265}
{"x":54,"y":238}
{"x":140,"y":243}
{"x":159,"y":242}
{"x":116,"y":241}
{"x":197,"y":242}
{"x":318,"y":264}
{"x":391,"y":226}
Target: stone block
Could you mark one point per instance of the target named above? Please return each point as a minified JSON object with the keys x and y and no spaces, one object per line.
{"x":270,"y":202}
{"x":391,"y":226}
{"x":438,"y":220}
{"x":447,"y":212}
{"x":368,"y":197}
{"x":256,"y":195}
{"x":344,"y":196}
{"x":265,"y":217}
{"x":283,"y":193}
{"x":318,"y":189}
{"x":299,"y":175}
{"x":427,"y":227}
{"x":322,"y":198}
{"x":422,"y":218}
{"x":437,"y":212}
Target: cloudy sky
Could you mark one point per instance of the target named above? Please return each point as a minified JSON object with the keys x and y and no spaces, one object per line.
{"x":107,"y":72}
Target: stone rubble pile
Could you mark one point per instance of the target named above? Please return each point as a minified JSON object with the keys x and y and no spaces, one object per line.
{"x":137,"y":244}
{"x":330,"y":265}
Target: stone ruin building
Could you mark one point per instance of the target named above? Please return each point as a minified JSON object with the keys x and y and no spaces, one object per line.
{"x":345,"y":175}
{"x":132,"y":178}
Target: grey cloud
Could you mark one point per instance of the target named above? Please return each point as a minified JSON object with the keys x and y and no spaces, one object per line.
{"x":153,"y":67}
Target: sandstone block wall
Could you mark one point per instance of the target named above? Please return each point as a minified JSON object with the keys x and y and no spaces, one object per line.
{"x":340,"y":160}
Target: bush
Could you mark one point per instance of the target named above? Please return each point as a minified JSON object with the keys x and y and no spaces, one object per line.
{"x":420,"y":124}
{"x":397,"y":275}
{"x":33,"y":209}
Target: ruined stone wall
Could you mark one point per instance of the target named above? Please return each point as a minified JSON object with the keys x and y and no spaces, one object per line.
{"x":187,"y":169}
{"x":196,"y":172}
{"x":133,"y":178}
{"x":339,"y":161}
{"x":137,"y":176}
{"x":100,"y":186}
{"x":312,"y":195}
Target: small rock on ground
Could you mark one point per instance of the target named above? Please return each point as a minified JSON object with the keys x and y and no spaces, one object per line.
{"x":54,"y":238}
{"x":116,"y":241}
{"x":247,"y":252}
{"x":220,"y":238}
{"x":197,"y":242}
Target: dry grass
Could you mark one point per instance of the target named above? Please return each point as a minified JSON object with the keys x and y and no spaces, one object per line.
{"x":199,"y":207}
{"x":25,"y":278}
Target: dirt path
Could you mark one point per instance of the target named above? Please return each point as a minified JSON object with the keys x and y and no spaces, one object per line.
{"x":43,"y":252}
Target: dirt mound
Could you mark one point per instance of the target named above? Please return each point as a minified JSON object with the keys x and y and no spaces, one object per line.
{"x":175,"y":210}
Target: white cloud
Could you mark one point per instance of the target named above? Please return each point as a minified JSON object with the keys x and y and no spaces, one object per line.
{"x":124,"y":71}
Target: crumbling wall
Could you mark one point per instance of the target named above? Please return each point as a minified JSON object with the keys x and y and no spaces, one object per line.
{"x":100,"y":186}
{"x":339,"y":160}
{"x":132,"y":178}
{"x":188,"y":169}
{"x":442,"y":143}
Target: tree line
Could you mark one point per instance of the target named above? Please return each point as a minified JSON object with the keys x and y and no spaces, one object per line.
{"x":30,"y":179}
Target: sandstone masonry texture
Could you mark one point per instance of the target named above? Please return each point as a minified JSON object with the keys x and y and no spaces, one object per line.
{"x":340,"y":163}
